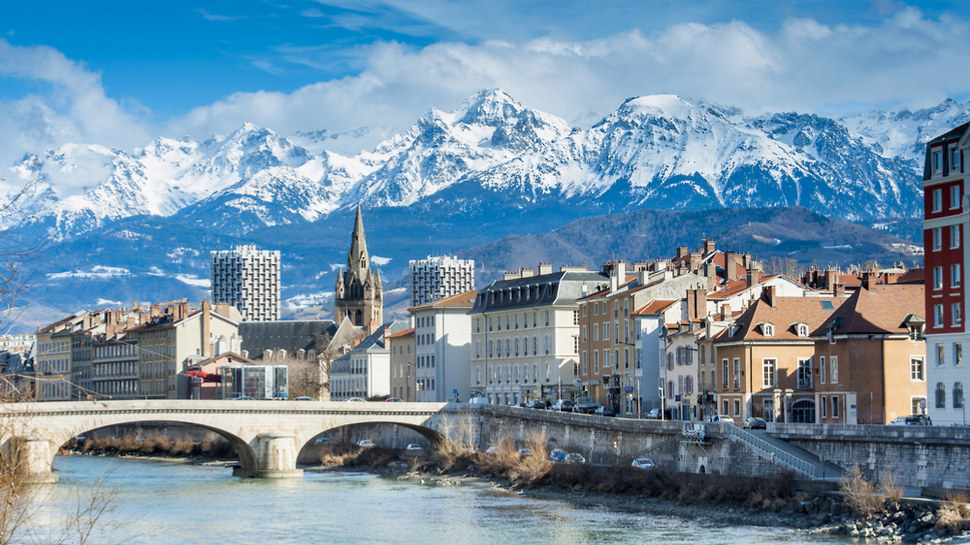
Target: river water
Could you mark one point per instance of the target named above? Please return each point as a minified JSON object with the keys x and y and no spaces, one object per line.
{"x":174,"y":504}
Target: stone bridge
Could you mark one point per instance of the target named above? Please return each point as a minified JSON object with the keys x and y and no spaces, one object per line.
{"x":267,"y":435}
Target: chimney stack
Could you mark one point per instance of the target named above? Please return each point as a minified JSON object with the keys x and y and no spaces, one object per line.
{"x":545,"y":268}
{"x":753,"y":276}
{"x":769,"y":296}
{"x":709,"y":246}
{"x":696,"y":304}
{"x":725,"y":311}
{"x":732,"y":262}
{"x":838,"y":290}
{"x":681,"y":251}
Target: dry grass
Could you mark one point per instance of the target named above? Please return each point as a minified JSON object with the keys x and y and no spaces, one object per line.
{"x":861,"y":495}
{"x":891,"y":487}
{"x":155,"y":444}
{"x":954,"y":514}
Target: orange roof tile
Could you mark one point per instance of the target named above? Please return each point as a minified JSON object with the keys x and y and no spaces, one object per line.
{"x":462,"y":300}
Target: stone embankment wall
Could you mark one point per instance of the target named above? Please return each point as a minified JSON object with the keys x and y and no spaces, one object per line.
{"x":932,"y":456}
{"x":926,"y":456}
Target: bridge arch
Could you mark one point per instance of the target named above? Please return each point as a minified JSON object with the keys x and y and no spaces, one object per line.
{"x":433,"y":436}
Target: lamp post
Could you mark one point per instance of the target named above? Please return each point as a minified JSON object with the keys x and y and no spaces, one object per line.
{"x":662,"y":408}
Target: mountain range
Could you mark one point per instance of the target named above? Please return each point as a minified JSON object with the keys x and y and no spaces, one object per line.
{"x":141,"y":222}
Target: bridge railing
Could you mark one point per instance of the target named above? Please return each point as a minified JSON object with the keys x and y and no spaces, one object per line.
{"x":809,"y":469}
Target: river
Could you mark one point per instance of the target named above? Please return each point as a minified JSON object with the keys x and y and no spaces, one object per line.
{"x":174,"y":504}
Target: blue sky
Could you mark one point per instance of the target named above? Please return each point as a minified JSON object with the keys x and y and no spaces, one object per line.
{"x":120,"y":73}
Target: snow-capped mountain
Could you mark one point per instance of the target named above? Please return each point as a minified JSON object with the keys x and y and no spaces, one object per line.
{"x":655,"y":151}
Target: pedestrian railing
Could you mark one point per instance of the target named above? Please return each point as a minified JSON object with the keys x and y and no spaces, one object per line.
{"x":797,"y":463}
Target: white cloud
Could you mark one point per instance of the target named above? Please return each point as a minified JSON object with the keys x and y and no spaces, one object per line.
{"x":379,"y":261}
{"x":70,"y":106}
{"x":804,"y":65}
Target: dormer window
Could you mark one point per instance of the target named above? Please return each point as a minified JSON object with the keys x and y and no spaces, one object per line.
{"x":768,"y":330}
{"x":802,"y":330}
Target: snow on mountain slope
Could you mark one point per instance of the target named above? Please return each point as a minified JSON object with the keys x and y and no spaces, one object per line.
{"x":655,"y":151}
{"x":904,"y":133}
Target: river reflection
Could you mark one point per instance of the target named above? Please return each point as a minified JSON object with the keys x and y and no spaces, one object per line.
{"x":159,"y":502}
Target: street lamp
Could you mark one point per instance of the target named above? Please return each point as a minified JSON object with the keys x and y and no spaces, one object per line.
{"x":662,"y":408}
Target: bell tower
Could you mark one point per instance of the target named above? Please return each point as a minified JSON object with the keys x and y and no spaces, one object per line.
{"x":358,"y":293}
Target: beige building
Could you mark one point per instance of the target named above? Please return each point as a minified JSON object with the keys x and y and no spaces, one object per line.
{"x":401,"y":345}
{"x":525,"y":334}
{"x":173,"y":334}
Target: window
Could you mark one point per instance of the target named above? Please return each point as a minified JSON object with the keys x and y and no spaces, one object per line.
{"x":724,"y":407}
{"x":954,"y":236}
{"x":937,"y":239}
{"x":957,"y":395}
{"x":584,"y":332}
{"x":737,"y":373}
{"x":940,"y":396}
{"x":596,"y":362}
{"x":821,"y":369}
{"x":768,"y":367}
{"x":940,"y":359}
{"x":937,"y":278}
{"x":768,"y":330}
{"x":937,"y":200}
{"x":575,"y":317}
{"x":805,"y":373}
{"x":584,"y":310}
{"x":917,"y":371}
{"x":957,"y":353}
{"x":824,"y":401}
{"x":834,"y":365}
{"x":547,"y":344}
{"x":835,"y":407}
{"x":955,"y":314}
{"x":606,"y":331}
{"x":937,"y":161}
{"x":585,"y":364}
{"x":956,"y":279}
{"x":737,"y":407}
{"x":802,"y":330}
{"x":596,"y":332}
{"x":955,"y":162}
{"x":937,"y":315}
{"x":724,"y":373}
{"x":917,"y":405}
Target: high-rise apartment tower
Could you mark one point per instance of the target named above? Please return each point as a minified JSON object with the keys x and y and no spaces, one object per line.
{"x":439,"y":277}
{"x":248,"y":279}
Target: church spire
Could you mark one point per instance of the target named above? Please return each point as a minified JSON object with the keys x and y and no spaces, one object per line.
{"x":357,"y":258}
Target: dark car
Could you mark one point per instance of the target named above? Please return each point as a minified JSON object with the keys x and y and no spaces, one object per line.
{"x":563,"y":405}
{"x":558,"y":455}
{"x":605,"y":410}
{"x":536,"y":404}
{"x":754,"y":423}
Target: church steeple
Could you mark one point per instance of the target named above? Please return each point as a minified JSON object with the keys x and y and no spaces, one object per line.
{"x":358,"y":294}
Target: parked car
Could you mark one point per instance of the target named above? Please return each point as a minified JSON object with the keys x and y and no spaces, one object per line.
{"x":357,"y":399}
{"x":536,"y":404}
{"x":478,"y":400}
{"x":394,"y":400}
{"x":490,"y":450}
{"x":654,"y":413}
{"x":303,"y":398}
{"x":754,"y":423}
{"x":643,"y":463}
{"x":722,"y":418}
{"x":525,"y":452}
{"x":604,"y":410}
{"x":564,"y":405}
{"x":912,"y":420}
{"x":557,"y":455}
{"x":575,"y":458}
{"x":413,"y":446}
{"x":323,"y":441}
{"x":243,"y":398}
{"x":365,"y":443}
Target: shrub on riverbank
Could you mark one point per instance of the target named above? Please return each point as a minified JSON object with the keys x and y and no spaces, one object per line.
{"x":154,"y":444}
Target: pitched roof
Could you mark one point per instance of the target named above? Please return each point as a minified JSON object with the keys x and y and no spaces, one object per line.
{"x":289,"y":335}
{"x":464,"y":299}
{"x":654,"y":307}
{"x":880,"y":310}
{"x":786,"y":312}
{"x":401,"y":334}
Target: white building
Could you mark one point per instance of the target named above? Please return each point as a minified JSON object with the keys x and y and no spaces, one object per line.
{"x":248,"y":279}
{"x":442,"y":344}
{"x":365,"y":371}
{"x":525,"y":334}
{"x":435,"y":278}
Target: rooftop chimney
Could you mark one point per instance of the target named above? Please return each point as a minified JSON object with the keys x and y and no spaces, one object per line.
{"x":681,"y":251}
{"x":753,"y":276}
{"x":838,"y":290}
{"x":725,"y":311}
{"x":545,"y":268}
{"x":696,"y":304}
{"x":732,"y":262}
{"x":769,"y":296}
{"x":709,"y":246}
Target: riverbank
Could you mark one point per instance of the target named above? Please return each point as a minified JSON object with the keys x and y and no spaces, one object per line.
{"x":719,"y":500}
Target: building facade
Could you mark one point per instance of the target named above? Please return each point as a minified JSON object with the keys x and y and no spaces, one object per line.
{"x":402,"y":348}
{"x":439,"y":277}
{"x":525,"y":335}
{"x":442,"y":337}
{"x":358,"y":294}
{"x":946,"y":217}
{"x":248,"y":279}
